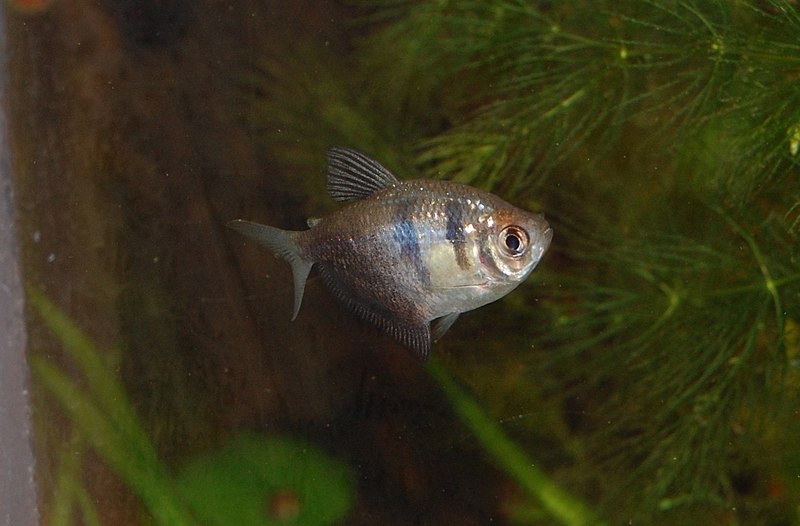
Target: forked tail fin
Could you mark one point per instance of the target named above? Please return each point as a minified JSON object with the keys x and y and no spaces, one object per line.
{"x":283,"y":244}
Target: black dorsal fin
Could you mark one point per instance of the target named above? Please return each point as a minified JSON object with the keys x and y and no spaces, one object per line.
{"x":353,"y":175}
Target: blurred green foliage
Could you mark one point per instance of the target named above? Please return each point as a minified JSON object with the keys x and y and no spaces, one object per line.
{"x":657,"y":372}
{"x":252,"y":480}
{"x":554,"y":500}
{"x":104,"y":418}
{"x":279,"y":481}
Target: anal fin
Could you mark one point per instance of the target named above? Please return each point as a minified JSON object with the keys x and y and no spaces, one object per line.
{"x":413,"y":334}
{"x":416,"y":338}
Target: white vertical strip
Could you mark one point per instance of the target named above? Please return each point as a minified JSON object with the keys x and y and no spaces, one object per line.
{"x":18,"y":506}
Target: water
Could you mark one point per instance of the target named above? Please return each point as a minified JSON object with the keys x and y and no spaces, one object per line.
{"x":130,"y":155}
{"x":645,"y":373}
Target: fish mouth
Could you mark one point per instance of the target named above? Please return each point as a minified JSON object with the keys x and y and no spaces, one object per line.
{"x":483,"y":283}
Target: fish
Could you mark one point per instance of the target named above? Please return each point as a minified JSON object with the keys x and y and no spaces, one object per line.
{"x":408,"y":254}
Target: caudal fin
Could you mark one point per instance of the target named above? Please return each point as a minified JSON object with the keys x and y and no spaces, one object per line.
{"x":282,"y":243}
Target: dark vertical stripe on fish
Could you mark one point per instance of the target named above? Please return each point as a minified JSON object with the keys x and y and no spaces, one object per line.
{"x":405,"y":234}
{"x":455,"y":232}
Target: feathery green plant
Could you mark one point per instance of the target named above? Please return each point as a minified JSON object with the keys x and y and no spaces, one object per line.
{"x":541,"y":86}
{"x":681,"y":306}
{"x":300,"y":112}
{"x":662,"y":140}
{"x":681,"y":340}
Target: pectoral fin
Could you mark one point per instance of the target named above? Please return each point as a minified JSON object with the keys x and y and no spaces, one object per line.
{"x":443,"y":324}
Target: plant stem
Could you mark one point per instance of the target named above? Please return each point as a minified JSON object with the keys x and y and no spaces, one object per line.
{"x":511,"y":457}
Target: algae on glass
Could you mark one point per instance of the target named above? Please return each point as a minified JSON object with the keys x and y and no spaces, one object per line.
{"x":653,"y":363}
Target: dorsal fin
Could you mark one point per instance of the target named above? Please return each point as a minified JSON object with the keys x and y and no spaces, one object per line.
{"x":353,"y":175}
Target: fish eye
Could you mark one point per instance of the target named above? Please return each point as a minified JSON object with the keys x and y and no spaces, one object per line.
{"x":513,"y":241}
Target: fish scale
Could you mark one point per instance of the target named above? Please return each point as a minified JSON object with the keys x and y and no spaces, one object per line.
{"x":402,"y":254}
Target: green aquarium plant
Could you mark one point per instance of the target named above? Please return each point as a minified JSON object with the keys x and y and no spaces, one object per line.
{"x":103,"y":418}
{"x":661,"y":138}
{"x":537,"y":87}
{"x":250,"y":480}
{"x":557,"y":502}
{"x":278,"y":481}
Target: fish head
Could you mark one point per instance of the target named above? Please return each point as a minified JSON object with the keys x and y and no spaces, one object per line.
{"x":515,"y":242}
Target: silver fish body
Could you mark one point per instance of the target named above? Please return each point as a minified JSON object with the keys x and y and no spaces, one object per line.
{"x":406,"y":253}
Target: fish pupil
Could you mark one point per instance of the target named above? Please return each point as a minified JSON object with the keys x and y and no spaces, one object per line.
{"x":513,"y":242}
